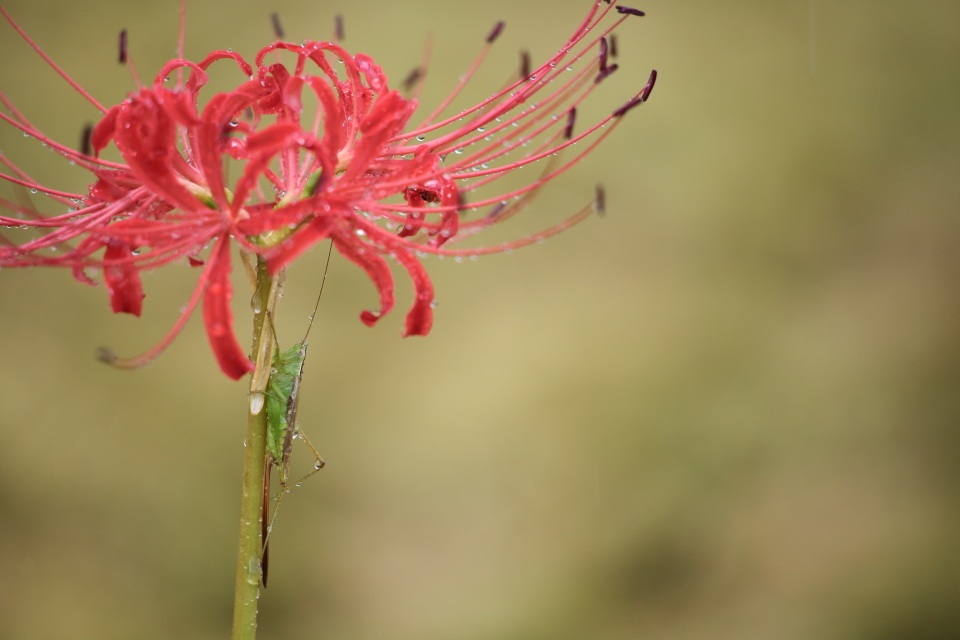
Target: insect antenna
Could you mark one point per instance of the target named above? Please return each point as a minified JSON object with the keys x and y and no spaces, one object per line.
{"x":323,"y":282}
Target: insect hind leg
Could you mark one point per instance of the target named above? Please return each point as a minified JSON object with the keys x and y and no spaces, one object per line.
{"x":318,"y":464}
{"x":319,"y":461}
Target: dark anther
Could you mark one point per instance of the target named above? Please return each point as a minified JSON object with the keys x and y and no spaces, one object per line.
{"x":647,"y":89}
{"x":497,"y":210}
{"x":85,"y":147}
{"x":600,"y":202}
{"x":106,"y":355}
{"x":571,"y":118}
{"x":411,"y":80}
{"x":277,"y":29}
{"x":338,"y":21}
{"x":607,"y":1}
{"x":123,"y":47}
{"x":603,"y":54}
{"x":524,"y":64}
{"x":606,"y":73}
{"x":497,"y":30}
{"x":630,"y":11}
{"x":613,"y":45}
{"x":630,"y":105}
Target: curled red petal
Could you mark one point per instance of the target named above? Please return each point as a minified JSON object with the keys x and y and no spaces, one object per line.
{"x":220,"y":55}
{"x":376,"y":78}
{"x":275,"y":76}
{"x":332,"y":125}
{"x":412,"y":224}
{"x":147,"y":138}
{"x":198,"y":77}
{"x":273,"y":138}
{"x":122,"y":280}
{"x":208,"y":138}
{"x":291,"y":94}
{"x":386,"y":118}
{"x":377,"y":269}
{"x":104,"y":131}
{"x":179,"y":105}
{"x":420,"y":317}
{"x":218,"y":317}
{"x":287,"y":251}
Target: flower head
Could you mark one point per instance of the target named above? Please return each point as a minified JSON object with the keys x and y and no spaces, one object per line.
{"x":351,"y":168}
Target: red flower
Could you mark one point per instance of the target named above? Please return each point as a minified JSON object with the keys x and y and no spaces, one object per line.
{"x":350,"y":170}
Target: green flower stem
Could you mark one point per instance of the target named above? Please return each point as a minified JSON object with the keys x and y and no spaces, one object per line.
{"x":254,"y":462}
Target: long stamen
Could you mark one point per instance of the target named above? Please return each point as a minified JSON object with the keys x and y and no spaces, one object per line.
{"x":49,"y":61}
{"x":494,"y":34}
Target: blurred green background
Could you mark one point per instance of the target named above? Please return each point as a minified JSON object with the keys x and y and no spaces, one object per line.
{"x":728,"y":409}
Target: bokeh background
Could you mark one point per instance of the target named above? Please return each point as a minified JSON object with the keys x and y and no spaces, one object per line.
{"x":727,"y":409}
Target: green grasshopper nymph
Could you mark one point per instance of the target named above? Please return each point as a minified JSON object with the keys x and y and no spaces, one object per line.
{"x":281,"y":403}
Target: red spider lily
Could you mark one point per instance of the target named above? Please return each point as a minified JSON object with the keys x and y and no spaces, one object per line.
{"x":350,"y":170}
